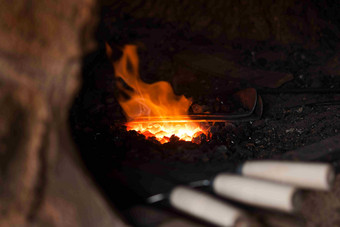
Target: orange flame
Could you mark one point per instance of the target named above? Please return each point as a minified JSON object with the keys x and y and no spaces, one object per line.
{"x":148,"y":102}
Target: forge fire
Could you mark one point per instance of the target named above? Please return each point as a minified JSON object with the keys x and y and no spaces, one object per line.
{"x":143,"y":103}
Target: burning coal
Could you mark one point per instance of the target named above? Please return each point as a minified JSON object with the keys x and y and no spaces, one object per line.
{"x":153,"y":110}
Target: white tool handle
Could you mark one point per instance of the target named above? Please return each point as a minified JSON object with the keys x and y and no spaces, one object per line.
{"x":206,"y":207}
{"x":256,"y":192}
{"x":305,"y":175}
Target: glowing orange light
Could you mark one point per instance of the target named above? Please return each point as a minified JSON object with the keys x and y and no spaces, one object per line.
{"x":150,"y":101}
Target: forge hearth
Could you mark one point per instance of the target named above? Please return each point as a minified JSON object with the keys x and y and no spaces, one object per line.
{"x":289,"y":120}
{"x":259,"y":79}
{"x":297,"y":109}
{"x":297,"y":105}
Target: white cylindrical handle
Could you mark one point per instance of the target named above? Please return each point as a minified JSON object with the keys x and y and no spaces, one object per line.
{"x":206,"y":207}
{"x":256,"y":192}
{"x":305,"y":175}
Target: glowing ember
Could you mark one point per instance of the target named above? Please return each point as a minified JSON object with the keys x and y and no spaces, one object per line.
{"x":163,"y":131}
{"x":150,"y":101}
